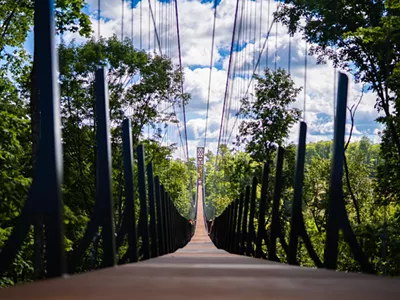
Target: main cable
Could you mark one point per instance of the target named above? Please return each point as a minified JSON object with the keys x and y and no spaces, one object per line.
{"x":155,"y":27}
{"x":268,"y":17}
{"x":210,"y":74}
{"x":122,"y":20}
{"x":258,"y":61}
{"x":180,"y":68}
{"x":305,"y":81}
{"x":236,"y":60}
{"x":226,"y":87}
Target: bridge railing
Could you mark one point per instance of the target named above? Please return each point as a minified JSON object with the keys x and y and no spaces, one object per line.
{"x":160,"y":230}
{"x":234,"y":229}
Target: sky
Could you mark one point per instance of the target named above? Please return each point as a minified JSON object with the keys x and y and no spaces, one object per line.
{"x":196,"y":27}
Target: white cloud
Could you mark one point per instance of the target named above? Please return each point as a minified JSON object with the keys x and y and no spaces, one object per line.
{"x":196,"y":22}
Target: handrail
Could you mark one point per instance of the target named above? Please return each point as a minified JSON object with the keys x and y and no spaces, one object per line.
{"x":168,"y":229}
{"x":239,"y":227}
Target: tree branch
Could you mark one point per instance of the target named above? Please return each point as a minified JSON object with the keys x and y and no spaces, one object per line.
{"x":352,"y":111}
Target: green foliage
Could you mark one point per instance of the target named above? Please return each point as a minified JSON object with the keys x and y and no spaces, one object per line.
{"x":17,"y":18}
{"x":159,"y":86}
{"x":374,"y":221}
{"x":178,"y":177}
{"x":15,"y":162}
{"x":362,"y":38}
{"x":267,"y":116}
{"x":138,"y":82}
{"x":224,"y":183}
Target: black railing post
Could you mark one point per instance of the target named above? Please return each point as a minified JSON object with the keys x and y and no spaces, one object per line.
{"x":103,"y":166}
{"x":159,"y":209}
{"x":251,"y":232}
{"x":275,"y":225}
{"x":171,"y":225}
{"x":245,"y":218}
{"x":130,"y":216}
{"x":230,"y":228}
{"x":226,"y":226}
{"x":143,"y":221}
{"x":336,"y":184}
{"x":152,"y":210}
{"x":262,"y":209}
{"x":164,"y":206}
{"x":234,"y":227}
{"x":172,"y":217}
{"x":296,"y":222}
{"x":44,"y":197}
{"x":168,"y":222}
{"x":50,"y":172}
{"x":239,"y":225}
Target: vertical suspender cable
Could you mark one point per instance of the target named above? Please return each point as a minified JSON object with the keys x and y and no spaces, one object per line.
{"x":180,"y":68}
{"x":261,"y":21}
{"x":99,"y":30}
{"x":132,"y":23}
{"x":155,"y":28}
{"x":210,"y":74}
{"x":305,"y":81}
{"x":122,"y":20}
{"x":290,"y":54}
{"x":141,"y":19}
{"x":98,"y":18}
{"x":268,"y":18}
{"x":226,"y":88}
{"x":276,"y":45}
{"x":149,"y":25}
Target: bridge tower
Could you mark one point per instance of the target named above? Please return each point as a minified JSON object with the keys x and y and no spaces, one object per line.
{"x":200,"y":165}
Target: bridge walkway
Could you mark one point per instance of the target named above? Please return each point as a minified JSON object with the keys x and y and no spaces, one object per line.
{"x":201,"y":271}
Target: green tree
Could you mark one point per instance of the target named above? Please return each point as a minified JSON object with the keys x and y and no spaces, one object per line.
{"x":139,"y":84}
{"x":359,"y":37}
{"x":267,"y":116}
{"x":16,"y":19}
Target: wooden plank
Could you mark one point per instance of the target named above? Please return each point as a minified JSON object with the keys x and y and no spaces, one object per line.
{"x":201,"y":271}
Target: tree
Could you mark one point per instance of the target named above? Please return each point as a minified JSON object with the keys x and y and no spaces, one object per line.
{"x":16,"y":19}
{"x":267,"y":116}
{"x":139,"y":84}
{"x":359,"y":37}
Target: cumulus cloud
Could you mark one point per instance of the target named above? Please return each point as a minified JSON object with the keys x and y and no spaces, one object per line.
{"x":196,"y":25}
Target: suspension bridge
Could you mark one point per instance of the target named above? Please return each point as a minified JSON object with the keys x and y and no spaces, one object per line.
{"x":179,"y":258}
{"x":201,"y":271}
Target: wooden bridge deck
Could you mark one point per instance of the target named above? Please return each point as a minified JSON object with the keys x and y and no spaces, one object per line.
{"x":201,"y":271}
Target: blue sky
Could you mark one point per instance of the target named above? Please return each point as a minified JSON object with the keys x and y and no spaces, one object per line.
{"x":196,"y":19}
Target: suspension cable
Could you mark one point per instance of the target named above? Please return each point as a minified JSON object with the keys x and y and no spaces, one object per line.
{"x":99,"y":30}
{"x":155,"y":27}
{"x":258,"y":61}
{"x":290,"y":54}
{"x":180,"y":68}
{"x":305,"y":80}
{"x":226,"y":88}
{"x":276,"y":45}
{"x":122,"y":20}
{"x":268,"y":19}
{"x":260,"y":35}
{"x":132,"y":23}
{"x":98,"y":18}
{"x":210,"y":74}
{"x":252,"y":36}
{"x":236,"y":62}
{"x":141,"y":23}
{"x":262,"y":51}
